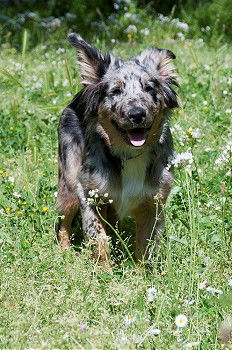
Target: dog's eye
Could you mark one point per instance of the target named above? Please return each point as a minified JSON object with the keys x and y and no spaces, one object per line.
{"x":116,"y":91}
{"x":148,"y":88}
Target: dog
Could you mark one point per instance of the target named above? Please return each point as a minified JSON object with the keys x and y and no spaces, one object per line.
{"x":114,"y":138}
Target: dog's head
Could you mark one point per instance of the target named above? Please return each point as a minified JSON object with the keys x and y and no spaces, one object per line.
{"x":129,"y":97}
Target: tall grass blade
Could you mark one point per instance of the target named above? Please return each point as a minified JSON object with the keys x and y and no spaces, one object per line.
{"x":68,"y":71}
{"x":11,"y":77}
{"x":24,"y":42}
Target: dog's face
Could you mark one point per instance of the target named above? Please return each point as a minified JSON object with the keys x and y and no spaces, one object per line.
{"x":131,"y":94}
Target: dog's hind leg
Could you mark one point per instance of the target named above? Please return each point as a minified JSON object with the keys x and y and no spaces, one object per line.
{"x":67,"y":203}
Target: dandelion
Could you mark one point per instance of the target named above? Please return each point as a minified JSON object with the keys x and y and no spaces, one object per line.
{"x":205,"y":108}
{"x":11,"y":128}
{"x":8,"y":209}
{"x":1,"y":171}
{"x":181,"y":321}
{"x":24,"y":203}
{"x":45,"y":209}
{"x":19,"y":212}
{"x":129,"y":320}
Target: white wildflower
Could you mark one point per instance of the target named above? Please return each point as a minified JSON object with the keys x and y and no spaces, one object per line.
{"x":230,"y":283}
{"x":11,"y":179}
{"x":155,"y":331}
{"x":181,"y":321}
{"x":16,"y":194}
{"x":189,"y":302}
{"x":214,"y":290}
{"x":203,"y":285}
{"x":60,"y":50}
{"x":131,"y":29}
{"x":191,"y":345}
{"x":129,"y":320}
{"x":110,"y":201}
{"x":151,"y":293}
{"x":145,"y":31}
{"x":181,"y":36}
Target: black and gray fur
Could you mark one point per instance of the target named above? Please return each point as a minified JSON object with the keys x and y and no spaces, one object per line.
{"x":114,"y":137}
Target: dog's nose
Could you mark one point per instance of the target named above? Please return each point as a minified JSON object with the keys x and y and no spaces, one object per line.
{"x":137,"y":115}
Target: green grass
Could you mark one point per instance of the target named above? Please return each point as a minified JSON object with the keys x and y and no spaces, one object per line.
{"x":53,"y":299}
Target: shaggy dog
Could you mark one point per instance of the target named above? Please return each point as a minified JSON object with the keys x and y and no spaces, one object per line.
{"x":114,"y":138}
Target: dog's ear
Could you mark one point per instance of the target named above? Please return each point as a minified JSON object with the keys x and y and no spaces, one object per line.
{"x":92,"y":64}
{"x":159,"y":63}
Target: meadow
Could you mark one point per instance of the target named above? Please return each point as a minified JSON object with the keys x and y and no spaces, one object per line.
{"x":51,"y":299}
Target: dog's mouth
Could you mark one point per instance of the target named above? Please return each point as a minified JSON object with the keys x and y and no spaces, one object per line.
{"x":137,"y":137}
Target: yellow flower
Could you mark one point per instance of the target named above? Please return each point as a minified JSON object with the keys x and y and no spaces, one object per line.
{"x":1,"y":171}
{"x":24,"y":203}
{"x":205,"y":108}
{"x":8,"y":209}
{"x":189,"y":131}
{"x":7,"y":174}
{"x":129,"y":36}
{"x":45,"y":196}
{"x":26,"y":241}
{"x":19,"y":212}
{"x":11,"y":184}
{"x":11,"y":128}
{"x":45,"y":209}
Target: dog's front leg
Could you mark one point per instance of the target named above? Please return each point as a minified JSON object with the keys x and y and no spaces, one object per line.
{"x":94,"y":229}
{"x":149,"y":223}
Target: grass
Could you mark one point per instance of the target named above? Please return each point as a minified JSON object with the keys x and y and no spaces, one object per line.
{"x":53,"y":299}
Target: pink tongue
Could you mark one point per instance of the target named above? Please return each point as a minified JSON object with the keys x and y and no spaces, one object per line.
{"x":137,"y":138}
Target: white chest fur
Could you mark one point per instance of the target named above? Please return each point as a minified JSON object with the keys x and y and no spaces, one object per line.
{"x":133,"y":187}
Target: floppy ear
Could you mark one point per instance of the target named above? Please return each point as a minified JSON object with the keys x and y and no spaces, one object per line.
{"x":92,"y":64}
{"x":159,"y":65}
